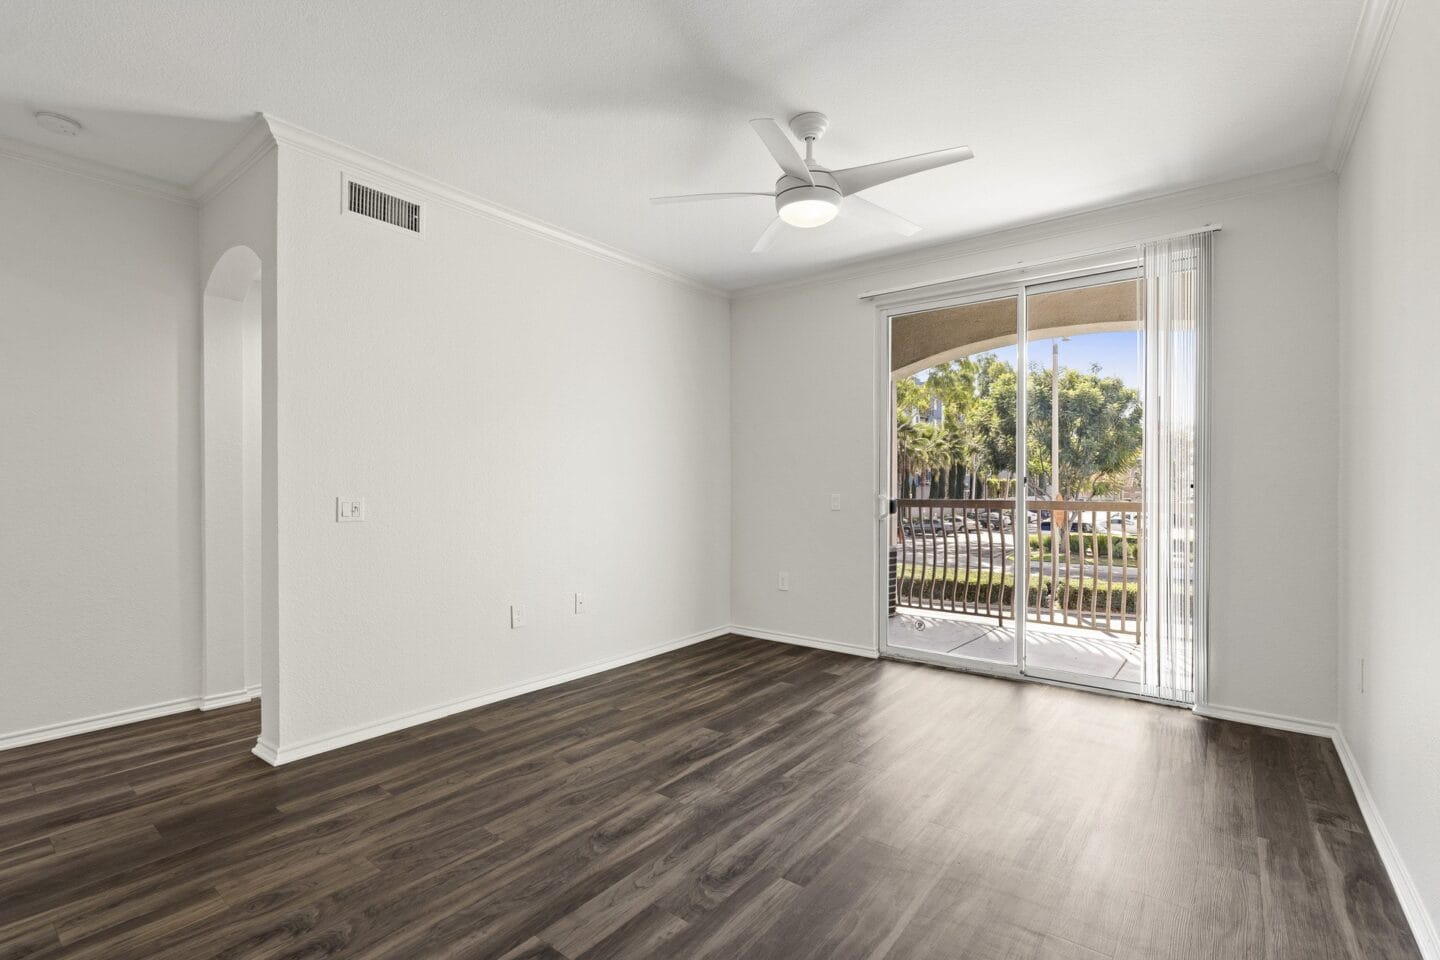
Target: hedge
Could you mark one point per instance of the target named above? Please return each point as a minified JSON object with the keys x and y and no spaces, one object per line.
{"x":1109,"y":547}
{"x":978,"y":587}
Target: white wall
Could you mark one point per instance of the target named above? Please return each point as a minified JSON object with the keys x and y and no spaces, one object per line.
{"x":231,"y":517}
{"x":251,"y":414}
{"x":1390,"y":456}
{"x":99,"y":450}
{"x":803,"y":385}
{"x":523,"y":420}
{"x":240,"y":212}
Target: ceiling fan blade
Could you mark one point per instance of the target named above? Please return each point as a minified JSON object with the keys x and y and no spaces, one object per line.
{"x":878,"y":215}
{"x":768,"y":237}
{"x":782,"y":149}
{"x":687,"y":197}
{"x":855,"y":179}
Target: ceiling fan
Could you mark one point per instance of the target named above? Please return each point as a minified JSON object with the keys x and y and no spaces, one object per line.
{"x":811,"y":195}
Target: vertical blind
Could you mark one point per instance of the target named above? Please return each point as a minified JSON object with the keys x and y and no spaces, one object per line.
{"x":1177,"y":307}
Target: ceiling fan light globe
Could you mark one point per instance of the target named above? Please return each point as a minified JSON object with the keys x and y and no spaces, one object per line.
{"x":808,"y":213}
{"x":807,"y":206}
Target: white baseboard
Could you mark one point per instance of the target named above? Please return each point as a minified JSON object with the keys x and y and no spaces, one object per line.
{"x":803,"y":641}
{"x":1259,"y":718}
{"x":1421,"y":924}
{"x":266,"y":751}
{"x":217,"y":700}
{"x":101,"y":721}
{"x":288,"y":753}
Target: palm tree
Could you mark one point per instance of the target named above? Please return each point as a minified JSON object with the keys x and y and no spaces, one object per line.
{"x":921,"y":448}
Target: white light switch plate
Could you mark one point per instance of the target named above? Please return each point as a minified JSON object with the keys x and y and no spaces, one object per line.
{"x":517,"y":616}
{"x":349,"y":510}
{"x":579,"y":603}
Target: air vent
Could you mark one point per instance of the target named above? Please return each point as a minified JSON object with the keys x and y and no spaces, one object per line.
{"x":387,"y":208}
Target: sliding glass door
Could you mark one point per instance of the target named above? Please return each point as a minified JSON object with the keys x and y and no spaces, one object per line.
{"x":1085,"y":420}
{"x":1043,"y":452}
{"x":955,"y":534}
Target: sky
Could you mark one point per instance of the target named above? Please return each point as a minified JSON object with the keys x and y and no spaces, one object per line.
{"x":1118,"y":354}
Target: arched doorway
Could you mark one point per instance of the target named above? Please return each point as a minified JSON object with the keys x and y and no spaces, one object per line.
{"x":231,"y":521}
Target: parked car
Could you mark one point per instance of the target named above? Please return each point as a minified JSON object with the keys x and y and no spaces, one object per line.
{"x":926,"y":526}
{"x":994,"y":519}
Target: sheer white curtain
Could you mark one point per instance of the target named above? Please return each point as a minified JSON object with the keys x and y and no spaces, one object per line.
{"x":1177,"y":308}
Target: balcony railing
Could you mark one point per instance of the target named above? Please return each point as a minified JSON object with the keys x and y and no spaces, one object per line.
{"x":1083,"y":560}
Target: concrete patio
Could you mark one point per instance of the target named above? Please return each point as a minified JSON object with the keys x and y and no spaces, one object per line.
{"x":1084,"y":651}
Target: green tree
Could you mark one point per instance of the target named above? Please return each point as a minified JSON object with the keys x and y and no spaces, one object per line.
{"x":1100,"y":428}
{"x":928,"y":453}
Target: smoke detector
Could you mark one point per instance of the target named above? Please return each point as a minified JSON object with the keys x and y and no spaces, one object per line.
{"x":58,"y":123}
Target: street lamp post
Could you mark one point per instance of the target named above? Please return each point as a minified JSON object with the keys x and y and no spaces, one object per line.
{"x":1054,"y":422}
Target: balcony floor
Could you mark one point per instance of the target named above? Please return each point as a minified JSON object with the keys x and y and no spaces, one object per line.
{"x":1084,"y":651}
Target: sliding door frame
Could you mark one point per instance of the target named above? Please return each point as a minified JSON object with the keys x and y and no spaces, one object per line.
{"x":1114,"y":274}
{"x":1092,"y":269}
{"x":885,"y":441}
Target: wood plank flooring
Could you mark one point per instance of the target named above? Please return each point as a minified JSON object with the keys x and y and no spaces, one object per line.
{"x":736,"y":799}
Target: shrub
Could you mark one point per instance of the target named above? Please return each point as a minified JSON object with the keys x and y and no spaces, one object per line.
{"x":984,"y":587}
{"x":1108,"y":547}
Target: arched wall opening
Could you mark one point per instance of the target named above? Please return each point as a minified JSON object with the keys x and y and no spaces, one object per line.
{"x":232,"y":458}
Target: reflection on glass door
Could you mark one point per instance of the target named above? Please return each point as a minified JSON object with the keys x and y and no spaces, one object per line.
{"x":956,"y":589}
{"x":1084,"y":450}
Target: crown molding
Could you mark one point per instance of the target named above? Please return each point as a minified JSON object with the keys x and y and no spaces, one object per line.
{"x":1367,"y":52}
{"x":93,"y":170}
{"x":434,"y":190}
{"x":265,"y":132}
{"x":253,"y":144}
{"x":1077,"y":222}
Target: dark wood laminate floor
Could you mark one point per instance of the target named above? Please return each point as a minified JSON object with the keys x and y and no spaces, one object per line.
{"x":737,"y":799}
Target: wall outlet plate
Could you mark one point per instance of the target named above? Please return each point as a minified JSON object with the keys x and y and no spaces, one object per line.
{"x":834,"y":501}
{"x":517,"y":616}
{"x":579,"y":603}
{"x":349,"y":510}
{"x":782,"y":582}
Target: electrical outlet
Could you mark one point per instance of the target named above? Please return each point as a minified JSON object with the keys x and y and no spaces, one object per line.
{"x":349,"y":510}
{"x":517,"y":616}
{"x":783,"y":581}
{"x":834,"y":501}
{"x":579,"y":603}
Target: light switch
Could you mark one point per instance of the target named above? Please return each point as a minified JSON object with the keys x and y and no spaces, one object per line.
{"x":349,"y":510}
{"x":834,"y":501}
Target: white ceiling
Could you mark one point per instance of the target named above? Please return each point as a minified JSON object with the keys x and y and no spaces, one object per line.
{"x":577,"y":112}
